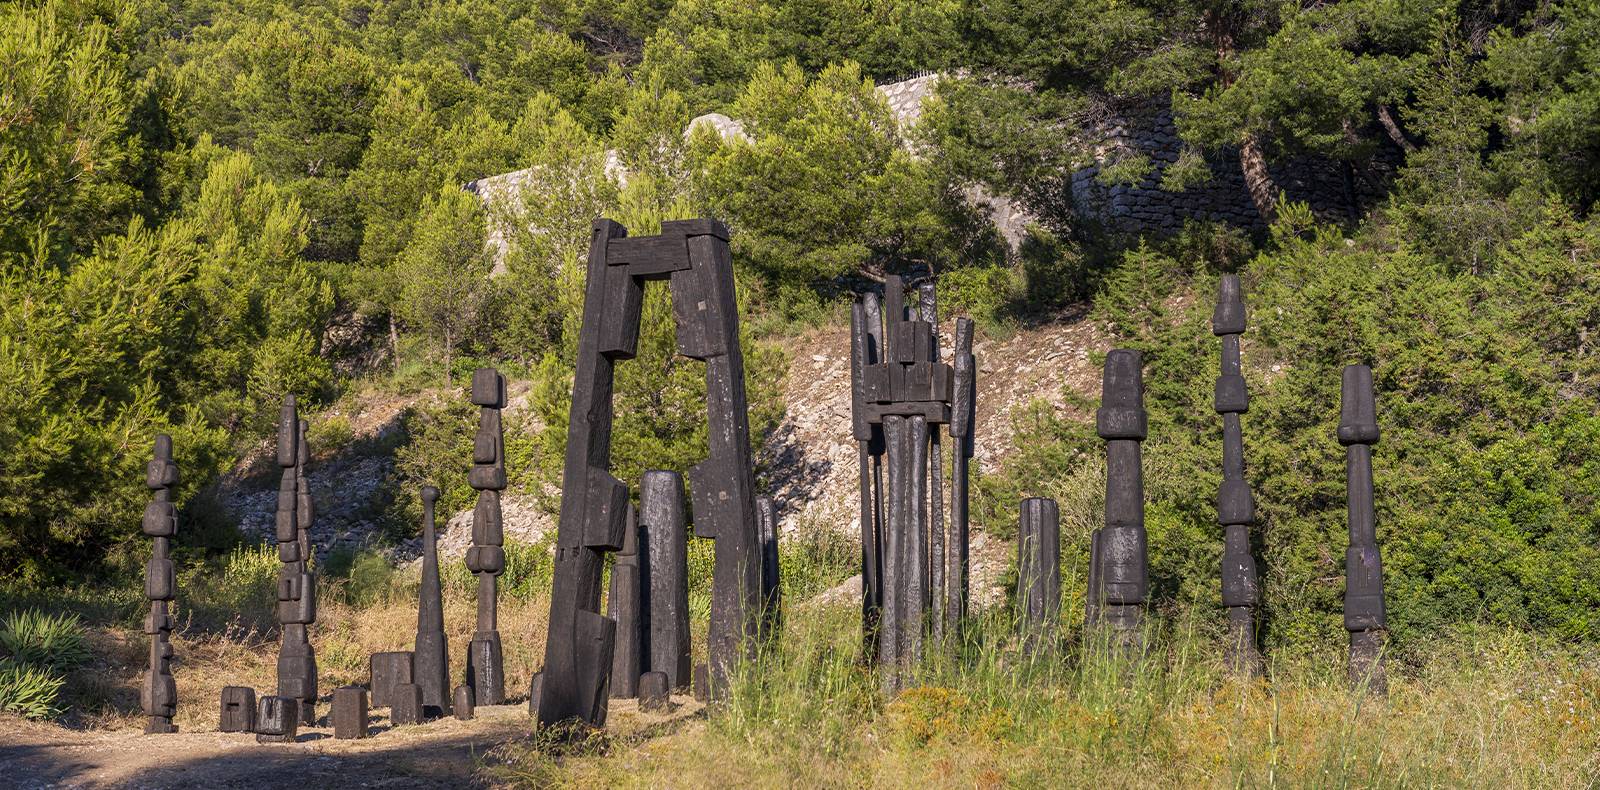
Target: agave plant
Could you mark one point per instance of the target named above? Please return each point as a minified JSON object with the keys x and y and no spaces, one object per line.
{"x":52,"y":642}
{"x":29,"y":691}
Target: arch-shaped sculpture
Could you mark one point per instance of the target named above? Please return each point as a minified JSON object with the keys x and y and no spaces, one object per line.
{"x":693,"y":256}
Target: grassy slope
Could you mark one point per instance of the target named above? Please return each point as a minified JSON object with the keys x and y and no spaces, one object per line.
{"x":1487,"y":709}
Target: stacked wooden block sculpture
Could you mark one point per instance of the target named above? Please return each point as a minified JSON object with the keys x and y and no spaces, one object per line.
{"x":486,"y":678}
{"x":159,"y":693}
{"x":1236,"y":509}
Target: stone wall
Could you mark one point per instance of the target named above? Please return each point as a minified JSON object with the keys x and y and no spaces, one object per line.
{"x":1334,"y":190}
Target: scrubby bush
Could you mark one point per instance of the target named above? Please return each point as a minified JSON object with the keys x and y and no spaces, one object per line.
{"x":1485,"y":471}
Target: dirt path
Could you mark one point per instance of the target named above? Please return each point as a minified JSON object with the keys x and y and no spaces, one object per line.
{"x":443,"y":754}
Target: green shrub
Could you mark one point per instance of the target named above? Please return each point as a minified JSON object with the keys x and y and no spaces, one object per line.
{"x":1487,"y":466}
{"x":436,"y":450}
{"x":981,"y":293}
{"x":235,"y":590}
{"x":29,"y":691}
{"x":330,"y":434}
{"x":529,"y":569}
{"x":812,"y":562}
{"x":53,"y":642}
{"x":369,"y":578}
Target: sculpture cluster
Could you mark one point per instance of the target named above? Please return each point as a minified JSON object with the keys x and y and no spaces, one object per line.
{"x":914,"y":565}
{"x":915,"y":562}
{"x":1118,"y":579}
{"x":159,"y":692}
{"x":650,"y":595}
{"x":693,"y":256}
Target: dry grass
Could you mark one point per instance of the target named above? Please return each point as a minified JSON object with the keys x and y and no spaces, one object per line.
{"x":106,"y":692}
{"x":1479,"y":708}
{"x":1488,"y":709}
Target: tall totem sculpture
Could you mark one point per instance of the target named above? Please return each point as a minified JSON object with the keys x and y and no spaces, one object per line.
{"x":1236,"y":509}
{"x":487,"y":557}
{"x":693,"y":256}
{"x":297,"y":587}
{"x":1363,"y":566}
{"x":1119,"y":570}
{"x":431,"y":653}
{"x":159,"y":693}
{"x":914,"y":563}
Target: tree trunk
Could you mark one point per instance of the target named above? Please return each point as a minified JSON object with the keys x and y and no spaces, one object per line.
{"x":1257,"y":180}
{"x":1386,"y":120}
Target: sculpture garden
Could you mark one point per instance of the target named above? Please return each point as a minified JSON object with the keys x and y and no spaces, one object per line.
{"x":758,"y":394}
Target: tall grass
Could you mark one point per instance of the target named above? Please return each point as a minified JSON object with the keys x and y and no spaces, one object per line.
{"x":237,"y":596}
{"x":1481,"y":708}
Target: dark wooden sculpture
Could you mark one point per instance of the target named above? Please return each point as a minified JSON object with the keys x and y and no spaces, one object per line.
{"x":771,"y":589}
{"x":431,"y":659}
{"x":655,"y":693}
{"x":349,"y":712}
{"x":1236,"y":510}
{"x":914,"y":563}
{"x":693,"y":256}
{"x":487,"y":556}
{"x":159,"y":692}
{"x":277,"y":719}
{"x":1119,"y":575}
{"x":1364,"y":615}
{"x":1039,"y":571}
{"x":625,"y":605}
{"x":297,"y":587}
{"x":238,"y":709}
{"x":388,"y":671}
{"x":665,"y":586}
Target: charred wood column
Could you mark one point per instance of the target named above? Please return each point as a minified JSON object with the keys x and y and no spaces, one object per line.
{"x":771,"y":583}
{"x":625,"y":605}
{"x":1236,"y":510}
{"x":694,"y":256}
{"x":928,"y":311}
{"x":1364,"y":615}
{"x":159,"y":693}
{"x":431,"y":659}
{"x":722,"y":486}
{"x":866,"y":348}
{"x":1039,"y":571}
{"x":1122,"y":576}
{"x":665,"y":587}
{"x":913,"y":559}
{"x":487,"y":557}
{"x":297,"y":587}
{"x":963,"y":421}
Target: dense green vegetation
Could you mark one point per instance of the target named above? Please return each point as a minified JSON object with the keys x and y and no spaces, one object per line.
{"x":193,"y":193}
